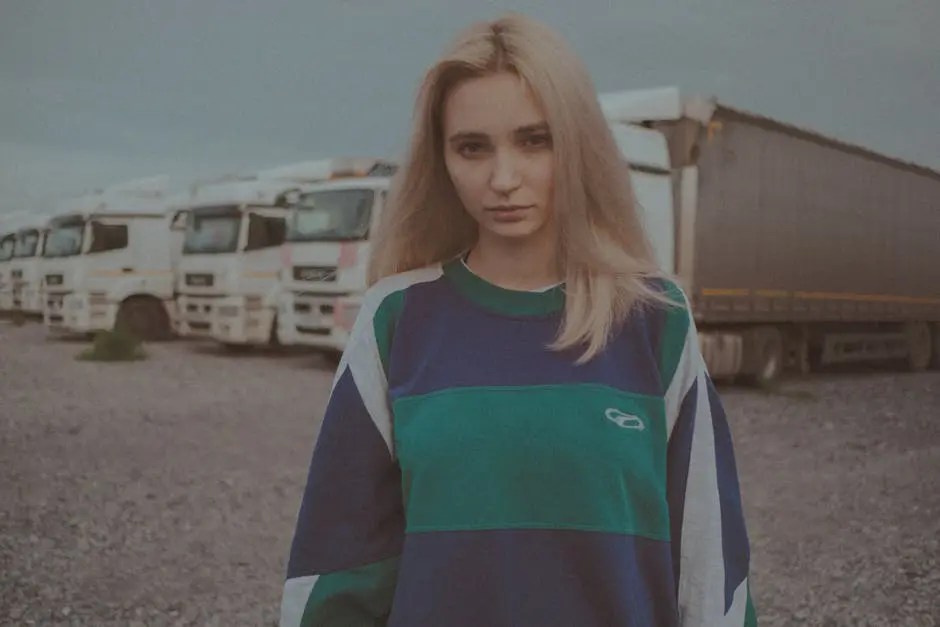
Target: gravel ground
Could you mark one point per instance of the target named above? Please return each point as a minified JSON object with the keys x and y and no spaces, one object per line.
{"x":164,"y":492}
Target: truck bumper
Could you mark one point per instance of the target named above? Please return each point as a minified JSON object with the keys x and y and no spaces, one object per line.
{"x":232,"y":322}
{"x":304,"y":320}
{"x":86,"y":313}
{"x":28,"y":300}
{"x":53,"y":313}
{"x":194,"y":316}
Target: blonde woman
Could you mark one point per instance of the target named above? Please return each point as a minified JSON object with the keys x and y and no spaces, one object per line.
{"x":521,"y":430}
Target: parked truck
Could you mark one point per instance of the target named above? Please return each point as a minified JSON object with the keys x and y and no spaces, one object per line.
{"x":9,"y":224}
{"x":796,"y":249}
{"x":228,"y":279}
{"x":326,"y":251}
{"x":22,"y":291}
{"x":107,"y":262}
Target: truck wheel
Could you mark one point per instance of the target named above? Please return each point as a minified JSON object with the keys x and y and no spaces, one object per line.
{"x":798,"y":353}
{"x":764,"y":356}
{"x":145,"y":318}
{"x":935,"y":356}
{"x":920,"y":347}
{"x":274,"y":342}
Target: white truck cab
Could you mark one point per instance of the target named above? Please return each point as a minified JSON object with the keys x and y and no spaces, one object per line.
{"x":326,"y":253}
{"x":658,"y":186}
{"x":228,"y":276}
{"x":9,"y":225}
{"x":22,"y":290}
{"x":107,"y":262}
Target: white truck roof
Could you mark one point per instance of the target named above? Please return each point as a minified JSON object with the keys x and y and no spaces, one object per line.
{"x":266,"y":187}
{"x":660,"y":103}
{"x":302,"y":172}
{"x":352,"y":182}
{"x":146,"y":197}
{"x":322,"y":169}
{"x":258,"y":192}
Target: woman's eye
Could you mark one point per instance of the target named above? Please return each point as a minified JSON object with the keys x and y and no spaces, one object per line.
{"x":470,"y":149}
{"x":538,"y":141}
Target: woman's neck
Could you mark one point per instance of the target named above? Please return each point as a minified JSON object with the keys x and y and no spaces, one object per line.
{"x":515,"y":265}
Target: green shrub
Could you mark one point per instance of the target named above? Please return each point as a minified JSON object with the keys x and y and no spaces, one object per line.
{"x":116,"y":345}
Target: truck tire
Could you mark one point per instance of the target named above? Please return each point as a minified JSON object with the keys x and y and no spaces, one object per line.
{"x":935,"y":356}
{"x":798,"y":351}
{"x":763,"y":356}
{"x":274,"y":342}
{"x":145,"y":318}
{"x":920,"y":347}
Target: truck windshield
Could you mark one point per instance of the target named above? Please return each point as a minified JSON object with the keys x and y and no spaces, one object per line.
{"x":332,"y":216}
{"x":64,"y":239}
{"x":27,"y":243}
{"x":6,"y":247}
{"x":211,"y":230}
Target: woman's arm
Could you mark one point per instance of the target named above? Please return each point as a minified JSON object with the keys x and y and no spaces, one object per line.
{"x":344,"y":556}
{"x":711,"y":550}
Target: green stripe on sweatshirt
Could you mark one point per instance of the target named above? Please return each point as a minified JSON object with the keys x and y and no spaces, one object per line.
{"x":460,"y":452}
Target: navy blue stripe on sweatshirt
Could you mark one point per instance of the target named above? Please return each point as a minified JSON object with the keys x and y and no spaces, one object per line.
{"x":734,"y":538}
{"x":677,"y":472}
{"x":443,"y":341}
{"x":352,"y":512}
{"x":506,"y":578}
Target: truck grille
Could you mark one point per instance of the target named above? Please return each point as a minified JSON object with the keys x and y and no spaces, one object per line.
{"x":199,"y":280}
{"x":315,"y":273}
{"x":54,"y":279}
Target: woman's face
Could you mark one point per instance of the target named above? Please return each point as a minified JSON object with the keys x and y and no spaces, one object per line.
{"x":498,"y":151}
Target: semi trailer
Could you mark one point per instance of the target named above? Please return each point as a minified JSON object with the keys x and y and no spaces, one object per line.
{"x":797,"y":250}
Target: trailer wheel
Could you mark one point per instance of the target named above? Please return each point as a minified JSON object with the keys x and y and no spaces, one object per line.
{"x":145,"y":318}
{"x":920,"y":348}
{"x":935,"y":356}
{"x":764,"y":356}
{"x":798,"y":352}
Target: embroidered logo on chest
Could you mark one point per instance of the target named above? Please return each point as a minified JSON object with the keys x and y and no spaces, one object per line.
{"x":624,"y":421}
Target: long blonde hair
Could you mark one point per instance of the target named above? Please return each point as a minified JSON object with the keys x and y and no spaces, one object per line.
{"x":606,"y":258}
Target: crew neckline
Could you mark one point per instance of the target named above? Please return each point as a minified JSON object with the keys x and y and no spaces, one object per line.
{"x":500,"y":299}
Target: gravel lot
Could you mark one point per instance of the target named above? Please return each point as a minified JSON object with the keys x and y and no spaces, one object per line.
{"x":164,"y":492}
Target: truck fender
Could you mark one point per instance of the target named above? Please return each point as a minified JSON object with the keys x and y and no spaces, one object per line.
{"x":125,"y":287}
{"x":272,"y":296}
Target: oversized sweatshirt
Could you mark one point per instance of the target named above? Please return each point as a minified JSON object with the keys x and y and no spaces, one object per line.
{"x":466,"y":475}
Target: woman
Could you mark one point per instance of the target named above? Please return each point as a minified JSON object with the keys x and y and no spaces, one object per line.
{"x":521,"y":430}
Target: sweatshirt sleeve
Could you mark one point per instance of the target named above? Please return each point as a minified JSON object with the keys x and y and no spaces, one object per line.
{"x":343,"y":562}
{"x":710,"y":546}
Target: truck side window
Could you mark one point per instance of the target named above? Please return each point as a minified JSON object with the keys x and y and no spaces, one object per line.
{"x":277,"y":230}
{"x":107,"y":237}
{"x":265,"y":232}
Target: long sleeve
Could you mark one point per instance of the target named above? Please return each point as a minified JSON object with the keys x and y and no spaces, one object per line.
{"x":343,"y":563}
{"x":711,"y":550}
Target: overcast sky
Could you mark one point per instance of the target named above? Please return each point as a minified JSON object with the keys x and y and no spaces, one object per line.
{"x":94,"y":92}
